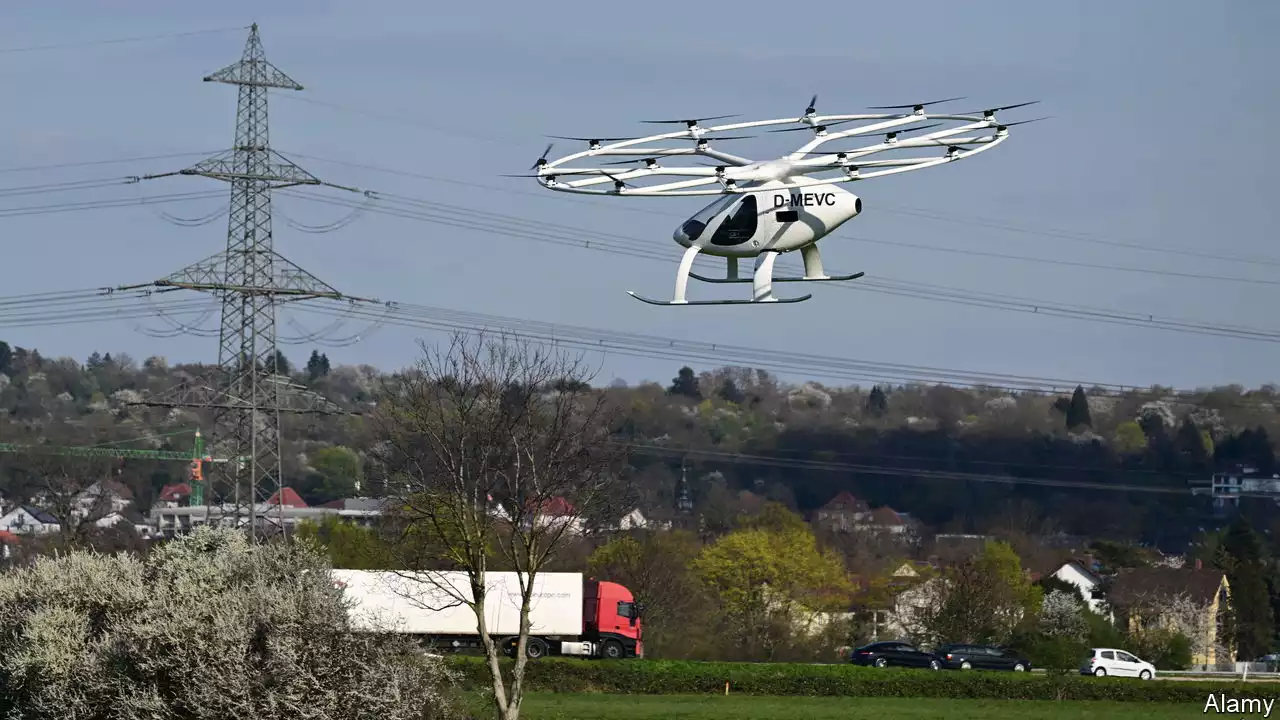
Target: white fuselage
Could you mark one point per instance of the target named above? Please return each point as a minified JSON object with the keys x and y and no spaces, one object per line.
{"x":768,"y":218}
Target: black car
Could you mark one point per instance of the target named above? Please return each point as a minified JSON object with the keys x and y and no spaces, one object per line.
{"x":982,"y":657}
{"x":900,"y":654}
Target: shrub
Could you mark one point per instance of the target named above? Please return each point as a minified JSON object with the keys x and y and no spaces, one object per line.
{"x":657,"y":677}
{"x":1166,"y":650}
{"x":208,"y":626}
{"x":1052,"y":652}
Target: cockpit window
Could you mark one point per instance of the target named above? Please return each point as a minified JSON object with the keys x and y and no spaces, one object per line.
{"x":694,"y":226}
{"x":739,"y":227}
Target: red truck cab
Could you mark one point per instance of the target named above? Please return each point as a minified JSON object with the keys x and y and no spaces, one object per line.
{"x":611,"y":618}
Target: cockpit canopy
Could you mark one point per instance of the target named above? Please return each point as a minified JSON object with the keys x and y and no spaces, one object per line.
{"x":738,"y":225}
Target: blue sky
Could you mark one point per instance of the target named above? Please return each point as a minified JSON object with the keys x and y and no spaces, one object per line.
{"x":1157,"y":138}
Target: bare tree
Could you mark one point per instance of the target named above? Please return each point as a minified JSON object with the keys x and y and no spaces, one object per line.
{"x":497,"y":451}
{"x":72,"y":490}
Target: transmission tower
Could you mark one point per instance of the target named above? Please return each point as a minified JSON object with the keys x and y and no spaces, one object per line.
{"x":251,"y":279}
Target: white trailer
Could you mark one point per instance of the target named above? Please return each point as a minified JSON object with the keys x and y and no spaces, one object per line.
{"x":434,"y":603}
{"x":568,"y":614}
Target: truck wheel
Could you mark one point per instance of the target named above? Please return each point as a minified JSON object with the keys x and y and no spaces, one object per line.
{"x":535,"y":648}
{"x":613,"y":650}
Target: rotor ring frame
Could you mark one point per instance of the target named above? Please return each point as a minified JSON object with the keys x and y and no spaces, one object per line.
{"x":798,"y":165}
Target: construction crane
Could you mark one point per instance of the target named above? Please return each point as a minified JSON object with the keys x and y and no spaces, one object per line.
{"x":195,"y":458}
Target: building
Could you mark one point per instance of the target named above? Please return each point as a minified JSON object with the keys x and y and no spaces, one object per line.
{"x":28,"y":519}
{"x":1195,"y":602}
{"x":842,"y":512}
{"x":1076,"y":573}
{"x":1226,"y":488}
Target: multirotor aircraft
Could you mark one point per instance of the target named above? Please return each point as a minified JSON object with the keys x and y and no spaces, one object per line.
{"x":769,"y":207}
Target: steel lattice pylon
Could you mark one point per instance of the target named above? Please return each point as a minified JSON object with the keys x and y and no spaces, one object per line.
{"x":251,"y":278}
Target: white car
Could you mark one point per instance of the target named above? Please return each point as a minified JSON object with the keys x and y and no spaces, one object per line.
{"x":1110,"y":661}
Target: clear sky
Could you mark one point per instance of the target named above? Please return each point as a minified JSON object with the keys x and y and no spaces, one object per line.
{"x":1159,"y":137}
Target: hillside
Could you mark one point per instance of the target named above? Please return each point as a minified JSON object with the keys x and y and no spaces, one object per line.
{"x":916,"y":449}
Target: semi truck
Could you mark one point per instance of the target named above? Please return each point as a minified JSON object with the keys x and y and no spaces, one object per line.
{"x":569,"y":614}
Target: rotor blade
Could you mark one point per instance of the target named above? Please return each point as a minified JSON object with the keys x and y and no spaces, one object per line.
{"x":913,"y":105}
{"x":542,"y":158}
{"x":823,"y":126}
{"x":648,"y":160}
{"x":553,"y":174}
{"x":687,"y":120}
{"x":911,"y":129}
{"x":1023,"y":122}
{"x":594,"y":139}
{"x":998,"y":109}
{"x":618,"y":182}
{"x":813,"y":105}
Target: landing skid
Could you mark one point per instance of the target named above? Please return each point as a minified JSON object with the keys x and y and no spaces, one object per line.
{"x":828,"y":278}
{"x":762,"y":280}
{"x":768,"y":300}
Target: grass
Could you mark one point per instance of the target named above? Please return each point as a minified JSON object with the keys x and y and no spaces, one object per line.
{"x":565,"y":706}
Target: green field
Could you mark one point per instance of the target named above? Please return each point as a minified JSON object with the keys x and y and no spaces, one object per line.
{"x":590,"y":706}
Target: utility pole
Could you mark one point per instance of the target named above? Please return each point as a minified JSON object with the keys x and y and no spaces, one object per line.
{"x":251,"y":279}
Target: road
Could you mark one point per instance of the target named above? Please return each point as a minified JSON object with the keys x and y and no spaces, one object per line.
{"x":1211,"y":677}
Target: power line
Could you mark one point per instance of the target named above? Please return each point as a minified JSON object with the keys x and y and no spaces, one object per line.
{"x":77,"y":306}
{"x":67,"y":186}
{"x":557,"y":234}
{"x":115,"y":161}
{"x":1064,"y":263}
{"x":62,"y":207}
{"x":640,"y":345}
{"x":118,"y":40}
{"x":977,"y":221}
{"x":913,"y":473}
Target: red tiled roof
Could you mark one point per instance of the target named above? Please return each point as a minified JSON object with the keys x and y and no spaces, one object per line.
{"x":175,"y":492}
{"x":291,"y":498}
{"x":886,"y":516}
{"x":556,"y":507}
{"x":845,"y":501}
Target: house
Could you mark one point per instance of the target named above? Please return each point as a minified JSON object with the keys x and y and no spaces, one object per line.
{"x":635,"y":520}
{"x":557,"y":513}
{"x":173,"y":495}
{"x":911,"y":569}
{"x":103,"y":498}
{"x":883,"y":520}
{"x":27,"y":519}
{"x":842,"y":511}
{"x":894,"y":601}
{"x":1086,"y":580}
{"x":910,"y":606}
{"x":847,"y":513}
{"x":1195,"y":602}
{"x":291,"y":498}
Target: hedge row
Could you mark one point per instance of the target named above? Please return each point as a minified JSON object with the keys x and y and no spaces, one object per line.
{"x":658,"y":677}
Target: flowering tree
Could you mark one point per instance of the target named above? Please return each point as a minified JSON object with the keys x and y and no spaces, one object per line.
{"x":208,"y":626}
{"x":1062,"y":616}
